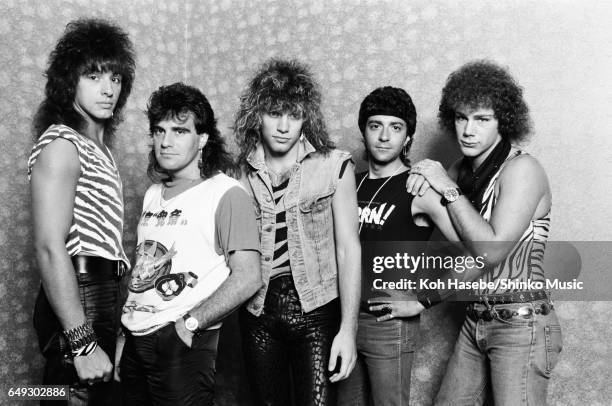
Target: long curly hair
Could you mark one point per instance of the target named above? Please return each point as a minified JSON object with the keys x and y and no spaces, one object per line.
{"x":284,"y":85}
{"x":87,"y":45}
{"x":389,"y":101}
{"x":177,"y":101}
{"x":486,"y":84}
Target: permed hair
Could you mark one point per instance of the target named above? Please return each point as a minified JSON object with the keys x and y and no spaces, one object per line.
{"x":485,"y":84}
{"x":88,"y":45}
{"x":284,"y":85}
{"x":390,"y":101}
{"x":177,"y":101}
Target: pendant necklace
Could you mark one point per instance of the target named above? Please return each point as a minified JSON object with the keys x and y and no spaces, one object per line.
{"x":375,"y":193}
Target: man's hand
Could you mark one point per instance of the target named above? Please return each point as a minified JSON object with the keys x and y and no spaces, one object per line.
{"x":343,"y":346}
{"x":434,"y":173}
{"x":94,"y":367}
{"x":397,"y":304}
{"x":118,"y":351}
{"x":417,"y":184}
{"x":183,"y":333}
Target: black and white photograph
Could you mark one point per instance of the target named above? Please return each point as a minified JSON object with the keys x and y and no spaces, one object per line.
{"x":305,"y":202}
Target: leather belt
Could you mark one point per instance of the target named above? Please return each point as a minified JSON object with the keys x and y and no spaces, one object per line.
{"x":98,"y":268}
{"x":510,"y":297}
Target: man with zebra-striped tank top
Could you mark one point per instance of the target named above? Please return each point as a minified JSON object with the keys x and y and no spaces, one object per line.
{"x":77,"y":208}
{"x":499,"y":200}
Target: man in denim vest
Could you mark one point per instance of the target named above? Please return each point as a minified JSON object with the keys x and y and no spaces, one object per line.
{"x":295,"y":329}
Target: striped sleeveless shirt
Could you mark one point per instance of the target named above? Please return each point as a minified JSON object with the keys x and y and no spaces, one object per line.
{"x":97,"y":223}
{"x":525,"y":261}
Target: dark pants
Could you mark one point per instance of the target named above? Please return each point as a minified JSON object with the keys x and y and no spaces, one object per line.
{"x":160,"y":369}
{"x":99,"y":301}
{"x":285,"y":345}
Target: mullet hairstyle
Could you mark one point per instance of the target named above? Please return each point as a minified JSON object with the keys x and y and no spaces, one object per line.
{"x":87,"y":46}
{"x":484,"y":84}
{"x":176,"y":102}
{"x":286,"y":86}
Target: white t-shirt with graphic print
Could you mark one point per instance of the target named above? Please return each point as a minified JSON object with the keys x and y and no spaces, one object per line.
{"x":182,"y":248}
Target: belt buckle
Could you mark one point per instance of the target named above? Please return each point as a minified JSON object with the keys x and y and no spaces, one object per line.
{"x":524,"y":311}
{"x":120,"y":270}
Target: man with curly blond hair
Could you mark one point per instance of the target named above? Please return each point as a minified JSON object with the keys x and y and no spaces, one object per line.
{"x":295,"y":329}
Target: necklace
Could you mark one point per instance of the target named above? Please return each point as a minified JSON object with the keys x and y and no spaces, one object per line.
{"x":375,"y":193}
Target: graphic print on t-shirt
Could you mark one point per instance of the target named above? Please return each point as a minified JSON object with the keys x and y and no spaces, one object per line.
{"x":153,"y":270}
{"x":375,"y":215}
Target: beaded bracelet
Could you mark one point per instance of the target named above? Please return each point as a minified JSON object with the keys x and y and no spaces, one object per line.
{"x":81,"y":336}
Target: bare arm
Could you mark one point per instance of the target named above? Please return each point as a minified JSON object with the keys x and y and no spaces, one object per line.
{"x":242,"y":283}
{"x":348,"y":255}
{"x":523,"y":194}
{"x":429,"y":204}
{"x":53,"y":187}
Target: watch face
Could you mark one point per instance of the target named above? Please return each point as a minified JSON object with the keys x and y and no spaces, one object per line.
{"x":191,"y":324}
{"x":451,"y":195}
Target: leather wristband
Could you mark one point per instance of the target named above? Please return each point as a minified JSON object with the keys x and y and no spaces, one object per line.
{"x":429,"y":298}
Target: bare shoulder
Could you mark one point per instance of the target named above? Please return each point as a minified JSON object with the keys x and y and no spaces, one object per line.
{"x":59,"y":155}
{"x":523,"y":168}
{"x":428,"y":203}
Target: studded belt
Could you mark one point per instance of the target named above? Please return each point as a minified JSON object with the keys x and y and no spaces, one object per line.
{"x":510,"y":297}
{"x":506,"y":314}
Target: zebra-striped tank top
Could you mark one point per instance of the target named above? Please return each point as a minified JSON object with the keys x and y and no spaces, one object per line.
{"x":525,"y":261}
{"x":97,"y":222}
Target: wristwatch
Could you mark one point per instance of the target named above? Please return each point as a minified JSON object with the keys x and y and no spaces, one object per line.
{"x":191,"y":323}
{"x":450,"y":195}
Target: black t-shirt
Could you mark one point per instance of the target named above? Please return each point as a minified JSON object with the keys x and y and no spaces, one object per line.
{"x":388,"y":216}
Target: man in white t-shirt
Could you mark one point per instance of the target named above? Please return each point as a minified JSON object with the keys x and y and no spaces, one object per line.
{"x":197,"y":257}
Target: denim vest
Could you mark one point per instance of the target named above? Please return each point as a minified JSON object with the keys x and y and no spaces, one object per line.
{"x":310,"y":223}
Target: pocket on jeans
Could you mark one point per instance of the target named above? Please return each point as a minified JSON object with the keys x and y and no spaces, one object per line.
{"x":169,"y":341}
{"x":553,"y":344}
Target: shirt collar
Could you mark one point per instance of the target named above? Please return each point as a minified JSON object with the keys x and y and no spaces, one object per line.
{"x":257,"y":157}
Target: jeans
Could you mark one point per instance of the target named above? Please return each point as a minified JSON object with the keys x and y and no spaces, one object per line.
{"x":99,"y":300}
{"x":284,"y":345}
{"x":160,"y":369}
{"x":385,"y":352}
{"x":518,"y":354}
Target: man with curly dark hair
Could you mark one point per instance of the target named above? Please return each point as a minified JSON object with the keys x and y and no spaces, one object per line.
{"x":499,"y":200}
{"x":295,"y":330}
{"x":387,"y":336}
{"x":77,"y":207}
{"x":197,"y":257}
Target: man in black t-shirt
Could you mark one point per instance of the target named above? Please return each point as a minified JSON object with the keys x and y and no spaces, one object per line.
{"x":387,"y":212}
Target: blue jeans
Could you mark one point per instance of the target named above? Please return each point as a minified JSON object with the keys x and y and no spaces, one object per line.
{"x":517,"y":354}
{"x":385,"y":352}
